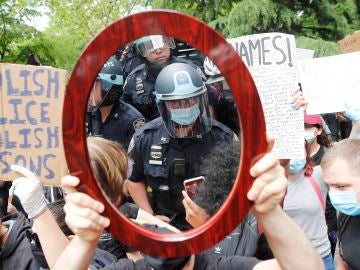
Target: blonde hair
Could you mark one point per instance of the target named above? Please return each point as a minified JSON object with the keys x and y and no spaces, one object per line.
{"x":109,"y":165}
{"x":346,"y":150}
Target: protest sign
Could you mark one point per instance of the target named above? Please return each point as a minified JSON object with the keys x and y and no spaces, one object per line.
{"x":271,"y":60}
{"x":331,"y":83}
{"x":350,"y":43}
{"x":303,"y":54}
{"x":31,"y":100}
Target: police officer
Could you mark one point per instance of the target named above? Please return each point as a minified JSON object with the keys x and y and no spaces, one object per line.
{"x":107,"y":115}
{"x":168,"y":150}
{"x":130,"y":58}
{"x":139,"y":85}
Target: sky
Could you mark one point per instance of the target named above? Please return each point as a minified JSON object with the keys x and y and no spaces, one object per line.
{"x":41,"y":22}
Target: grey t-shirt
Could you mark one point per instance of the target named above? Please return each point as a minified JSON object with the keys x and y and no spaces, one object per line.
{"x":303,"y":205}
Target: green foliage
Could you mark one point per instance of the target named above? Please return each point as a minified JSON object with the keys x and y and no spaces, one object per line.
{"x":206,"y":10}
{"x":321,"y":47}
{"x":76,"y":22}
{"x":13,"y":27}
{"x":250,"y":17}
{"x":318,"y":24}
{"x":40,"y":45}
{"x":319,"y":19}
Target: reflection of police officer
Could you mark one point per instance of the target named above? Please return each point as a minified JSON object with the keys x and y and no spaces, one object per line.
{"x":168,"y":150}
{"x":108,"y":116}
{"x":139,"y":85}
{"x":130,"y":59}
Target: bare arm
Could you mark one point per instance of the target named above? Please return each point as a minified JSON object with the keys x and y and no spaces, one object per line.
{"x":30,"y":192}
{"x":81,"y":253}
{"x":83,"y":216}
{"x":288,"y":242}
{"x":139,"y":195}
{"x":144,"y":216}
{"x":52,"y":239}
{"x":341,"y":264}
{"x":355,"y":130}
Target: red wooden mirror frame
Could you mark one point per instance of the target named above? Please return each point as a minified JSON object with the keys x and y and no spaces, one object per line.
{"x":210,"y":43}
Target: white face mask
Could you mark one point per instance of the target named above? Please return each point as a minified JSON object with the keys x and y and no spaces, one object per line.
{"x":309,"y":136}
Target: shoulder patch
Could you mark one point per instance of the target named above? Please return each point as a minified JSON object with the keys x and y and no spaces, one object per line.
{"x":138,"y":123}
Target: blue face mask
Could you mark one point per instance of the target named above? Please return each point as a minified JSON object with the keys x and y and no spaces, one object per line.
{"x":345,"y":202}
{"x":296,"y":165}
{"x":351,"y":112}
{"x":309,"y":136}
{"x":185,"y":116}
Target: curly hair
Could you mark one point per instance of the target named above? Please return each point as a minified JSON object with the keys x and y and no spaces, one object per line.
{"x":220,"y":168}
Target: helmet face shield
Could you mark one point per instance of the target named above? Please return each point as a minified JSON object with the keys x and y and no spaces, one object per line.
{"x":149,"y":44}
{"x":95,"y":96}
{"x":108,"y":80}
{"x":186,"y":118}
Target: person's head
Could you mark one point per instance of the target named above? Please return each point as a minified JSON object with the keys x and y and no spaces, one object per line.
{"x":302,"y":164}
{"x":220,"y":169}
{"x":341,"y":171}
{"x":107,"y":88}
{"x":155,"y":48}
{"x":109,"y":165}
{"x":215,"y":78}
{"x":159,"y":263}
{"x":314,"y":132}
{"x":181,"y":97}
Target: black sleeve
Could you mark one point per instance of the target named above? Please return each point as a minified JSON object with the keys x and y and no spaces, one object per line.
{"x":137,"y":174}
{"x":126,"y":264}
{"x":126,"y":96}
{"x":211,"y":262}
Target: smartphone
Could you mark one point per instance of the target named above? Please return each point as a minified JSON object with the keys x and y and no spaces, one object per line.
{"x":192,"y":185}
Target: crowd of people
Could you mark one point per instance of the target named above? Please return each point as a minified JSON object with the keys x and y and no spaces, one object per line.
{"x":155,"y":120}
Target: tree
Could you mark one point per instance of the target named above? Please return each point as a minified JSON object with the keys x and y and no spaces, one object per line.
{"x":74,"y":23}
{"x":40,"y":45}
{"x":13,"y":27}
{"x":319,"y":22}
{"x":206,"y":10}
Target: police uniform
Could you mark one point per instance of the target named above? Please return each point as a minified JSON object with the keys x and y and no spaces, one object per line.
{"x":119,"y":126}
{"x":140,"y":86}
{"x":163,"y":163}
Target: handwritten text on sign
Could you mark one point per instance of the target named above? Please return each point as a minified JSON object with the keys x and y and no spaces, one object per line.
{"x":271,"y":60}
{"x":31,"y":101}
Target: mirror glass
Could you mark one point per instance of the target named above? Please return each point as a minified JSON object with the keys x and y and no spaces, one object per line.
{"x":186,"y":134}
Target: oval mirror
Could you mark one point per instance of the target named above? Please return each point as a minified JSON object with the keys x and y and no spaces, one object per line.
{"x":214,"y":46}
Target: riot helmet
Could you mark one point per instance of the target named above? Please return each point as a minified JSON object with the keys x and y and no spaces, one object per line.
{"x":181,"y":97}
{"x":148,"y":44}
{"x":111,"y":82}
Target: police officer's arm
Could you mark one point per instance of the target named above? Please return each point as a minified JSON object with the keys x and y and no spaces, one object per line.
{"x":126,"y":97}
{"x":136,"y":183}
{"x":288,"y":242}
{"x":139,"y":195}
